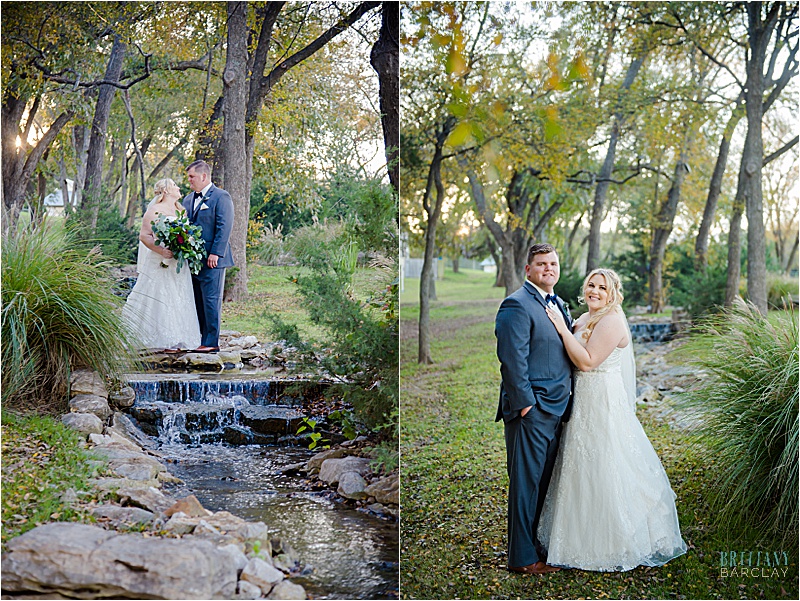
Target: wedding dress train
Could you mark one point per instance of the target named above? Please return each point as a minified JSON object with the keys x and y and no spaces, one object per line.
{"x":609,"y":506}
{"x":160,"y":309}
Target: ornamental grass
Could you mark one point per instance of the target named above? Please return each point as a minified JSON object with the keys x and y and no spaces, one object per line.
{"x":746,"y":407}
{"x":59,"y":313}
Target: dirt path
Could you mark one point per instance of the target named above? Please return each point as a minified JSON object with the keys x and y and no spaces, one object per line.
{"x":443,"y":328}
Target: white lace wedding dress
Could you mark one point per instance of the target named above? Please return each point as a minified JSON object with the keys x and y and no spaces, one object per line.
{"x":160,"y":309}
{"x":609,"y":506}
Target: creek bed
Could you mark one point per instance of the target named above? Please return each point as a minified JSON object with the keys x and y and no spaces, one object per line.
{"x":348,"y":554}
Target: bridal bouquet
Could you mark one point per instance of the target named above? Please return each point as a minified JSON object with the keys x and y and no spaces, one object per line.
{"x":182,"y":238}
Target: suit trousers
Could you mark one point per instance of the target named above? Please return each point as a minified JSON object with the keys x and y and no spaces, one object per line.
{"x":208,"y":287}
{"x":531,"y":446}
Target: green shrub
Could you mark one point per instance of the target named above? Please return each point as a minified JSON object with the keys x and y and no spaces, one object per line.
{"x":701,"y":294}
{"x":569,"y":288}
{"x":361,"y":350}
{"x":746,"y":405}
{"x":59,"y":312}
{"x":780,"y":289}
{"x":118,"y":243}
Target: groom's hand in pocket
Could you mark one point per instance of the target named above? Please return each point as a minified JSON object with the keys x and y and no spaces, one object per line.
{"x":524,"y":412}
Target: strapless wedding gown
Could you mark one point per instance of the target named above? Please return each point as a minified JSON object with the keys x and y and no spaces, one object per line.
{"x":160,"y":309}
{"x":609,"y":506}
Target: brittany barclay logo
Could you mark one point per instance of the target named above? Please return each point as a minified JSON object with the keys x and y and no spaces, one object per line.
{"x":753,"y":564}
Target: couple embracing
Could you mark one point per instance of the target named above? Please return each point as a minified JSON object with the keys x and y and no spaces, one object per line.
{"x":173,"y":310}
{"x":586,"y":488}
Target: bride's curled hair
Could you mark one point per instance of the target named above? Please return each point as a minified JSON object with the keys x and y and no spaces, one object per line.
{"x":160,"y":190}
{"x":614,"y":290}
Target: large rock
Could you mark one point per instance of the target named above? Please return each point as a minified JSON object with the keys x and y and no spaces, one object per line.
{"x":385,"y":490}
{"x":90,"y":403}
{"x":316,"y":461}
{"x":85,"y":423}
{"x":130,"y":464}
{"x":146,"y":497}
{"x":287,"y":590}
{"x":89,"y":563}
{"x":122,"y":398}
{"x":189,"y":506}
{"x":262,"y":574}
{"x":112,"y":439}
{"x":248,"y":590}
{"x":352,"y":485}
{"x":332,"y":469}
{"x":271,"y":419}
{"x":125,"y":427}
{"x":85,"y":381}
{"x":244,"y":341}
{"x":202,"y":361}
{"x":123,"y":515}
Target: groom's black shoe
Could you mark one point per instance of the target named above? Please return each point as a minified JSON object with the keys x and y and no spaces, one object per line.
{"x":206,"y":349}
{"x":539,"y":568}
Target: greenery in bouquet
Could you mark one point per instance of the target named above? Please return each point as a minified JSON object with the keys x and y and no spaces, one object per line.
{"x":184,"y":239}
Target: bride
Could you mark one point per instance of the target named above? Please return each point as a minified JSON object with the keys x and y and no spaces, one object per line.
{"x":609,"y":506}
{"x":160,"y":309}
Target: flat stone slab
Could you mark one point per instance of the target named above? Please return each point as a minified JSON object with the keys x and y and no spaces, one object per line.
{"x":89,"y":562}
{"x":271,"y":419}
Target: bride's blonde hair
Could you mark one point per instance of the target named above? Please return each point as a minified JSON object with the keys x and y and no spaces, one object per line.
{"x":614,"y":290}
{"x":160,"y":190}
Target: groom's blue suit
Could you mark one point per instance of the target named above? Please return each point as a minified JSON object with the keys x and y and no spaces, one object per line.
{"x":536,"y":373}
{"x":214,"y":214}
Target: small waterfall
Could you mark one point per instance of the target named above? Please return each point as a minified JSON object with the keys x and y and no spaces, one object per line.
{"x":652,"y":332}
{"x":202,"y":410}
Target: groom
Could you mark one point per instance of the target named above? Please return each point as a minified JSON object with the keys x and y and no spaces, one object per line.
{"x":534,"y":399}
{"x":212,"y":209}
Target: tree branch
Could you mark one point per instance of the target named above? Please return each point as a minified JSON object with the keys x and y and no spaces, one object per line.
{"x":280,"y":70}
{"x":780,"y":151}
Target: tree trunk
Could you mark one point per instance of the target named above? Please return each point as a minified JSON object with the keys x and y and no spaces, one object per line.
{"x":735,"y":241}
{"x":97,"y":142}
{"x":663,"y":228}
{"x":791,"y":261}
{"x":455,"y":265}
{"x":80,"y":141}
{"x":234,"y":154}
{"x":385,"y":59}
{"x":714,"y":189}
{"x":256,"y":90}
{"x":759,"y":34}
{"x":19,"y":164}
{"x":62,"y":183}
{"x":604,"y":177}
{"x":429,"y":261}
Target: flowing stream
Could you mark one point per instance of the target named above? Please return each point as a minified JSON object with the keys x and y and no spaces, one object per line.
{"x":346,"y":553}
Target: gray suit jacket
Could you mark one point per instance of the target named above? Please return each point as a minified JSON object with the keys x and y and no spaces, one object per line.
{"x":535,"y":367}
{"x":215,"y":215}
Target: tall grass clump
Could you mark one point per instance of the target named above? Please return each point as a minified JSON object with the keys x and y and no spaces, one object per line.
{"x":747,"y":408}
{"x":59,"y":312}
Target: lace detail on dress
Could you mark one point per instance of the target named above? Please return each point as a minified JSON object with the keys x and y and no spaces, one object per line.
{"x":609,"y":506}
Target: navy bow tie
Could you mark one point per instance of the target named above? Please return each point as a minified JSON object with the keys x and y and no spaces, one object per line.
{"x":198,"y":195}
{"x":551,"y":298}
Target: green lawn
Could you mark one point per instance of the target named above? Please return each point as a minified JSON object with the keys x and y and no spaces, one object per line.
{"x":454,"y":481}
{"x":272,"y":291}
{"x":41,"y":458}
